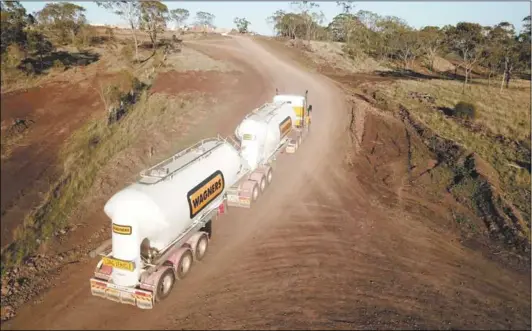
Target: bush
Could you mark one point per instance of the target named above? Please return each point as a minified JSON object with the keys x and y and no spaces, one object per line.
{"x":13,"y":56}
{"x":352,"y":51}
{"x":59,"y":65}
{"x":465,"y":110}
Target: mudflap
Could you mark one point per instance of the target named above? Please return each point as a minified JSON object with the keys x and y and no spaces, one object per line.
{"x":132,"y":296}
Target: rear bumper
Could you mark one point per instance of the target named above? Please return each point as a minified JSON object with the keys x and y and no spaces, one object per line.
{"x":132,"y":296}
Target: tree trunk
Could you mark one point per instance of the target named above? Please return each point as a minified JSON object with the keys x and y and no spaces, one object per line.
{"x":136,"y":42}
{"x":465,"y":81}
{"x":73,"y":36}
{"x":508,"y":77}
{"x":308,"y":33}
{"x":153,"y":37}
{"x":489,"y":79}
{"x":503,"y":79}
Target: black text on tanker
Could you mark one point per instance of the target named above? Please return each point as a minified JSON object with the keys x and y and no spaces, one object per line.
{"x":206,"y":191}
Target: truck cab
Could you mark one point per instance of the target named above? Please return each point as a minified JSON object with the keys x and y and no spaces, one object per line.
{"x":300,"y":105}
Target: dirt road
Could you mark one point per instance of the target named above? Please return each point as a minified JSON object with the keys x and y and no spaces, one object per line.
{"x":318,"y":251}
{"x":73,"y":307}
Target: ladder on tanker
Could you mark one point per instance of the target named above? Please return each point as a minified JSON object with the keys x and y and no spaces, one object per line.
{"x":171,"y":165}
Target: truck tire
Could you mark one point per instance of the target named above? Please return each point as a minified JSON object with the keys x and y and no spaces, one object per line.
{"x":269,"y":176}
{"x":201,"y":247}
{"x":255,"y":193}
{"x":165,"y":284}
{"x":184,"y":264}
{"x":262,"y":184}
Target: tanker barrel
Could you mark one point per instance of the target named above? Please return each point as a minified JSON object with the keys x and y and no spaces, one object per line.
{"x":106,"y":244}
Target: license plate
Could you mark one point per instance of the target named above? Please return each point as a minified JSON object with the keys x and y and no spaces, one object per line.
{"x":115,"y":263}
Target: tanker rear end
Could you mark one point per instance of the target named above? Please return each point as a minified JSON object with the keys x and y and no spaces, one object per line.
{"x":162,"y":223}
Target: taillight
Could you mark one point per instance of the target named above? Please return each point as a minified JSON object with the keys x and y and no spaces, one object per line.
{"x":105,"y":269}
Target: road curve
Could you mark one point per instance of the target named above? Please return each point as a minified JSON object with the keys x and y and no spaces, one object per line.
{"x":70,"y":305}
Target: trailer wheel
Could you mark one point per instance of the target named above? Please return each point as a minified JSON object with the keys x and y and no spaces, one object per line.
{"x":255,"y":193}
{"x":262,"y":184}
{"x":201,"y":247}
{"x":269,"y":176}
{"x":165,"y":284}
{"x":183,"y":267}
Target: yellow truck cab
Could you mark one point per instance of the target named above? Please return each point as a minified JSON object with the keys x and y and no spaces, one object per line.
{"x":300,"y":106}
{"x":301,"y":125}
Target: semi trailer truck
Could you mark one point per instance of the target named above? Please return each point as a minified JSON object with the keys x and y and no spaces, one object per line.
{"x":162,"y":223}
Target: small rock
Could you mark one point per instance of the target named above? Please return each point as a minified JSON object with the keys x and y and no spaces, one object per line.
{"x":62,"y":231}
{"x":5,"y":291}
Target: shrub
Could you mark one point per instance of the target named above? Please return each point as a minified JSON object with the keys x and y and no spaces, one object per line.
{"x":13,"y":56}
{"x":352,"y":51}
{"x":465,"y":110}
{"x":59,"y":65}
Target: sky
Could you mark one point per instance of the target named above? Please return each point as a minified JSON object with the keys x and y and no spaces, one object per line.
{"x":416,"y":13}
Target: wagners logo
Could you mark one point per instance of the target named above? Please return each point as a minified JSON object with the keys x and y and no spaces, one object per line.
{"x":206,"y":191}
{"x":122,"y":229}
{"x":285,"y":126}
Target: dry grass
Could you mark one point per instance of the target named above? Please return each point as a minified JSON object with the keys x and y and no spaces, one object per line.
{"x":506,"y":113}
{"x":331,"y":54}
{"x":502,"y":125}
{"x":11,"y":138}
{"x":192,"y":60}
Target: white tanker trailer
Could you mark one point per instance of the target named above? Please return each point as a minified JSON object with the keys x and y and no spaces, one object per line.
{"x":264,"y":133}
{"x":162,"y":222}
